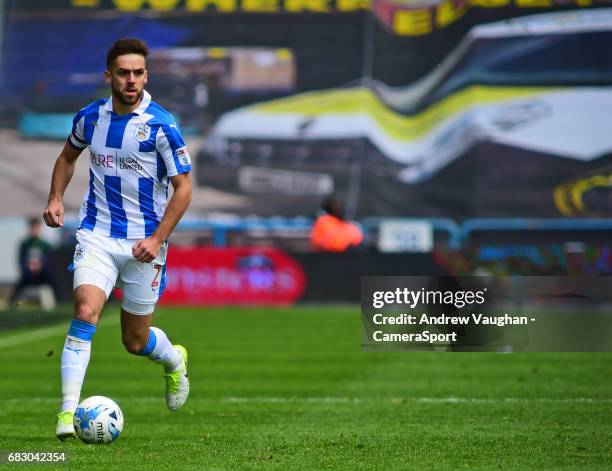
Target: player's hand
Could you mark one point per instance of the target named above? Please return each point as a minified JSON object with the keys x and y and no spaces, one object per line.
{"x":147,"y":249}
{"x":54,"y":213}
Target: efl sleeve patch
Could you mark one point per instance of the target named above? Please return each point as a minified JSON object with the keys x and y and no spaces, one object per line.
{"x":183,"y":156}
{"x":172,"y":149}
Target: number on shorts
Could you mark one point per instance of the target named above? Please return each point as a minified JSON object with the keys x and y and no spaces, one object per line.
{"x":155,"y":283}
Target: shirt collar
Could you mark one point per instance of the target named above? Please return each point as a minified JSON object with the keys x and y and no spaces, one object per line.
{"x":144,"y":104}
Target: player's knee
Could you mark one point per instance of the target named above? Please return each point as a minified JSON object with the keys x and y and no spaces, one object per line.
{"x":133,"y":344}
{"x":86,"y":313}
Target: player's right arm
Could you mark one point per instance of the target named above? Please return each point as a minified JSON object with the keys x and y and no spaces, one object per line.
{"x":62,"y":173}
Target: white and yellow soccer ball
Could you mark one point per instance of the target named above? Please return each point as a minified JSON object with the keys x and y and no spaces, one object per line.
{"x":98,"y":419}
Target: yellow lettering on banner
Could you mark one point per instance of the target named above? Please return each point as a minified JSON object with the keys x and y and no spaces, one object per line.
{"x":129,"y":5}
{"x":85,"y":3}
{"x":163,"y":4}
{"x":284,"y":54}
{"x":260,"y":5}
{"x":533,"y":3}
{"x":447,"y":12}
{"x":352,"y":5}
{"x":216,"y":53}
{"x":220,"y":5}
{"x":488,"y":3}
{"x":584,"y":3}
{"x":320,"y":6}
{"x":412,"y":23}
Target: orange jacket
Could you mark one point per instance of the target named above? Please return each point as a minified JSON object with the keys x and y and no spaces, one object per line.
{"x":334,"y":235}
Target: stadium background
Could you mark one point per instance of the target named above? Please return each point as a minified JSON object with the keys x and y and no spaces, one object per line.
{"x":500,"y":164}
{"x":475,"y":173}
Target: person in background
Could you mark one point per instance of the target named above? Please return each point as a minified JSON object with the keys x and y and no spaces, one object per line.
{"x":331,"y":232}
{"x":33,"y":252}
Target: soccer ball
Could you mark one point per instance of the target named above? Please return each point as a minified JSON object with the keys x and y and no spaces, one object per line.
{"x":98,"y":419}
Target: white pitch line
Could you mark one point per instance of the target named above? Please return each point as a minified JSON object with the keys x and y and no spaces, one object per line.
{"x":346,"y":400}
{"x":398,"y":400}
{"x":290,"y":400}
{"x":45,"y":332}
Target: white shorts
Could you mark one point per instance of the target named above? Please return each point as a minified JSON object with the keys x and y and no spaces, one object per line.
{"x":104,"y":262}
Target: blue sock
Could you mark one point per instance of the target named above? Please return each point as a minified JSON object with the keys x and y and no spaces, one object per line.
{"x":151,"y":342}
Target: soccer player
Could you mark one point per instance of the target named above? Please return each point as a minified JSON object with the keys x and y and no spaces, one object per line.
{"x":135,"y":147}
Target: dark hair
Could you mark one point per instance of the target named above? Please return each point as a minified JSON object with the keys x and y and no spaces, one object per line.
{"x":126,"y":46}
{"x":33,"y":221}
{"x":333,"y":206}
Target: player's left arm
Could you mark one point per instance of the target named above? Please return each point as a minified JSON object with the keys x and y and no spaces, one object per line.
{"x":147,"y":249}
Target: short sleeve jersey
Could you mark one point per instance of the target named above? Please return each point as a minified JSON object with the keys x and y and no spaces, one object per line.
{"x":131,"y":157}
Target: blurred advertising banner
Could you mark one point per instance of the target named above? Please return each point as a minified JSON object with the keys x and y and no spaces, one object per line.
{"x":486,"y":133}
{"x":443,"y":108}
{"x":220,"y":276}
{"x":256,"y":275}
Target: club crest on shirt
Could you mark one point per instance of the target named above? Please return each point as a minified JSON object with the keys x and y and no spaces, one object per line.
{"x":142,"y":132}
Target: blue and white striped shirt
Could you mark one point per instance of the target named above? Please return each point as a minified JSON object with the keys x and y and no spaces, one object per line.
{"x":131,"y":158}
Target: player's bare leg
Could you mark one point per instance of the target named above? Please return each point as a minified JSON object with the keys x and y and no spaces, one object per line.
{"x":140,"y":338}
{"x":88,"y":304}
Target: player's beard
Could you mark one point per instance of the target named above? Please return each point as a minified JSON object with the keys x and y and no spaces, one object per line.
{"x":125,"y":100}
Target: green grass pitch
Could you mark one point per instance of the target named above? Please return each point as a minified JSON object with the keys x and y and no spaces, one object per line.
{"x":290,"y":389}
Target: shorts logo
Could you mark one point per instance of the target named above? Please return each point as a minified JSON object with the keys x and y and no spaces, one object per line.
{"x":79,"y":253}
{"x":155,"y":282}
{"x":142,"y":132}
